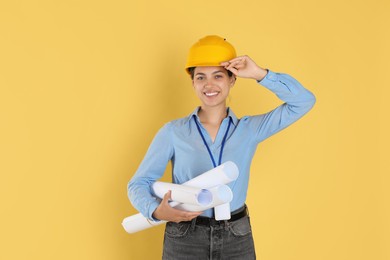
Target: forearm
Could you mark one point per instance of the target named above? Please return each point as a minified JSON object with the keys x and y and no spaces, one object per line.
{"x":289,"y":90}
{"x":151,"y":169}
{"x":298,"y":101}
{"x":140,"y":196}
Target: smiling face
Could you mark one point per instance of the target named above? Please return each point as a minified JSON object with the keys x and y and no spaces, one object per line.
{"x":212,"y":85}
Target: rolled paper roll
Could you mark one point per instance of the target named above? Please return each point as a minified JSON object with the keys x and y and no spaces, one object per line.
{"x":138,"y":222}
{"x":221,"y":194}
{"x":183,"y":194}
{"x":223,"y":174}
{"x":222,"y":212}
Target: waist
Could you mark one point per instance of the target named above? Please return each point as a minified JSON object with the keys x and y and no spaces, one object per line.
{"x":206,"y":221}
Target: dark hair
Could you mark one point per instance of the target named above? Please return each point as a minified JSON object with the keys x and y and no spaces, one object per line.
{"x":191,"y":70}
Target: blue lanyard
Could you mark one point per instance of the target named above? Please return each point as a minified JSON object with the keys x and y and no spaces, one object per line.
{"x":208,"y":148}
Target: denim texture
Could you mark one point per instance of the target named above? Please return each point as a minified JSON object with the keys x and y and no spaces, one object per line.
{"x":224,"y":240}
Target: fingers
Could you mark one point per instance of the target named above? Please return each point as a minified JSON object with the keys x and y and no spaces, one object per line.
{"x":234,"y":65}
{"x":167,"y":197}
{"x":244,"y":67}
{"x":239,"y":59}
{"x":165,"y":212}
{"x":181,"y":215}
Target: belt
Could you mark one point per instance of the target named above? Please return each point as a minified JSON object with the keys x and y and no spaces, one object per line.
{"x":205,"y":221}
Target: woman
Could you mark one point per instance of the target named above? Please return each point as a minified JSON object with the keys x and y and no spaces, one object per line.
{"x":209,"y":136}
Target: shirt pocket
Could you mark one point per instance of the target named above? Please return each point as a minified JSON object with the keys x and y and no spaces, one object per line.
{"x":177,"y":230}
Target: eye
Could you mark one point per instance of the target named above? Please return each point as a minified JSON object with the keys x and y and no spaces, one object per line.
{"x":199,"y":78}
{"x":218,"y":76}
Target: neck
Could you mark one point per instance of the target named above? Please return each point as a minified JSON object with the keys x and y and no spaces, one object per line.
{"x":212,"y":115}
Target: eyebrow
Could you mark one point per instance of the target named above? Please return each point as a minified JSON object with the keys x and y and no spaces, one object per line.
{"x":215,"y":72}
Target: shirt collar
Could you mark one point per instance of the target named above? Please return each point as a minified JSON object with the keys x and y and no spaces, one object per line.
{"x":230,"y":114}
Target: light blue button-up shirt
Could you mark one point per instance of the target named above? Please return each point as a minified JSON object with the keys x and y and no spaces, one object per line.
{"x":180,"y":142}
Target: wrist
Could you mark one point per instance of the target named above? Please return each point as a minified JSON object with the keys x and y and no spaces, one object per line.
{"x":260,"y":74}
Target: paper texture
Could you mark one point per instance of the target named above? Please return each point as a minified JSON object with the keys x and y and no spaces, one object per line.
{"x":223,"y":174}
{"x":183,"y":193}
{"x":221,"y":194}
{"x":222,"y":212}
{"x":214,"y":180}
{"x":138,"y":222}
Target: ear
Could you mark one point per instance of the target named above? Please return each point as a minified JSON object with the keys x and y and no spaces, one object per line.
{"x":232,"y":81}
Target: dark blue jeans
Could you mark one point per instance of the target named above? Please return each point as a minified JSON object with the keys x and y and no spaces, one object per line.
{"x":225,"y":240}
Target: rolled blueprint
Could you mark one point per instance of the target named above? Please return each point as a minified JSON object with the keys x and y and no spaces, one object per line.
{"x":222,"y":211}
{"x":138,"y":222}
{"x":220,"y":175}
{"x":223,"y":174}
{"x":221,"y":194}
{"x":183,"y":194}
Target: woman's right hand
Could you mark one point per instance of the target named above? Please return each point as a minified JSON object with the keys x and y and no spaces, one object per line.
{"x":245,"y":67}
{"x":165,"y":212}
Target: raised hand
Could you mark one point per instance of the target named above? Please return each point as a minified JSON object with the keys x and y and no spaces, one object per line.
{"x":245,"y":67}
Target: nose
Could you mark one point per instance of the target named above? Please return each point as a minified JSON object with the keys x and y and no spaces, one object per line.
{"x":209,"y":82}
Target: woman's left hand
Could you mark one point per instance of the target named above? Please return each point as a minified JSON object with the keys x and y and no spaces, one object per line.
{"x":245,"y":67}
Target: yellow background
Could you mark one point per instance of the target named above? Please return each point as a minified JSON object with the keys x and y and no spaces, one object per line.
{"x":85,"y":85}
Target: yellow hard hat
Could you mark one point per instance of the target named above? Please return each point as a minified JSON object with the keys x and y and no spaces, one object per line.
{"x":210,"y":51}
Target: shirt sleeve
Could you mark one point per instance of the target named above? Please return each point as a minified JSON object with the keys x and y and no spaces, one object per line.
{"x":151,"y":169}
{"x":297,"y":102}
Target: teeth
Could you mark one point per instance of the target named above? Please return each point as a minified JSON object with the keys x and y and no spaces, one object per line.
{"x":211,"y":94}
